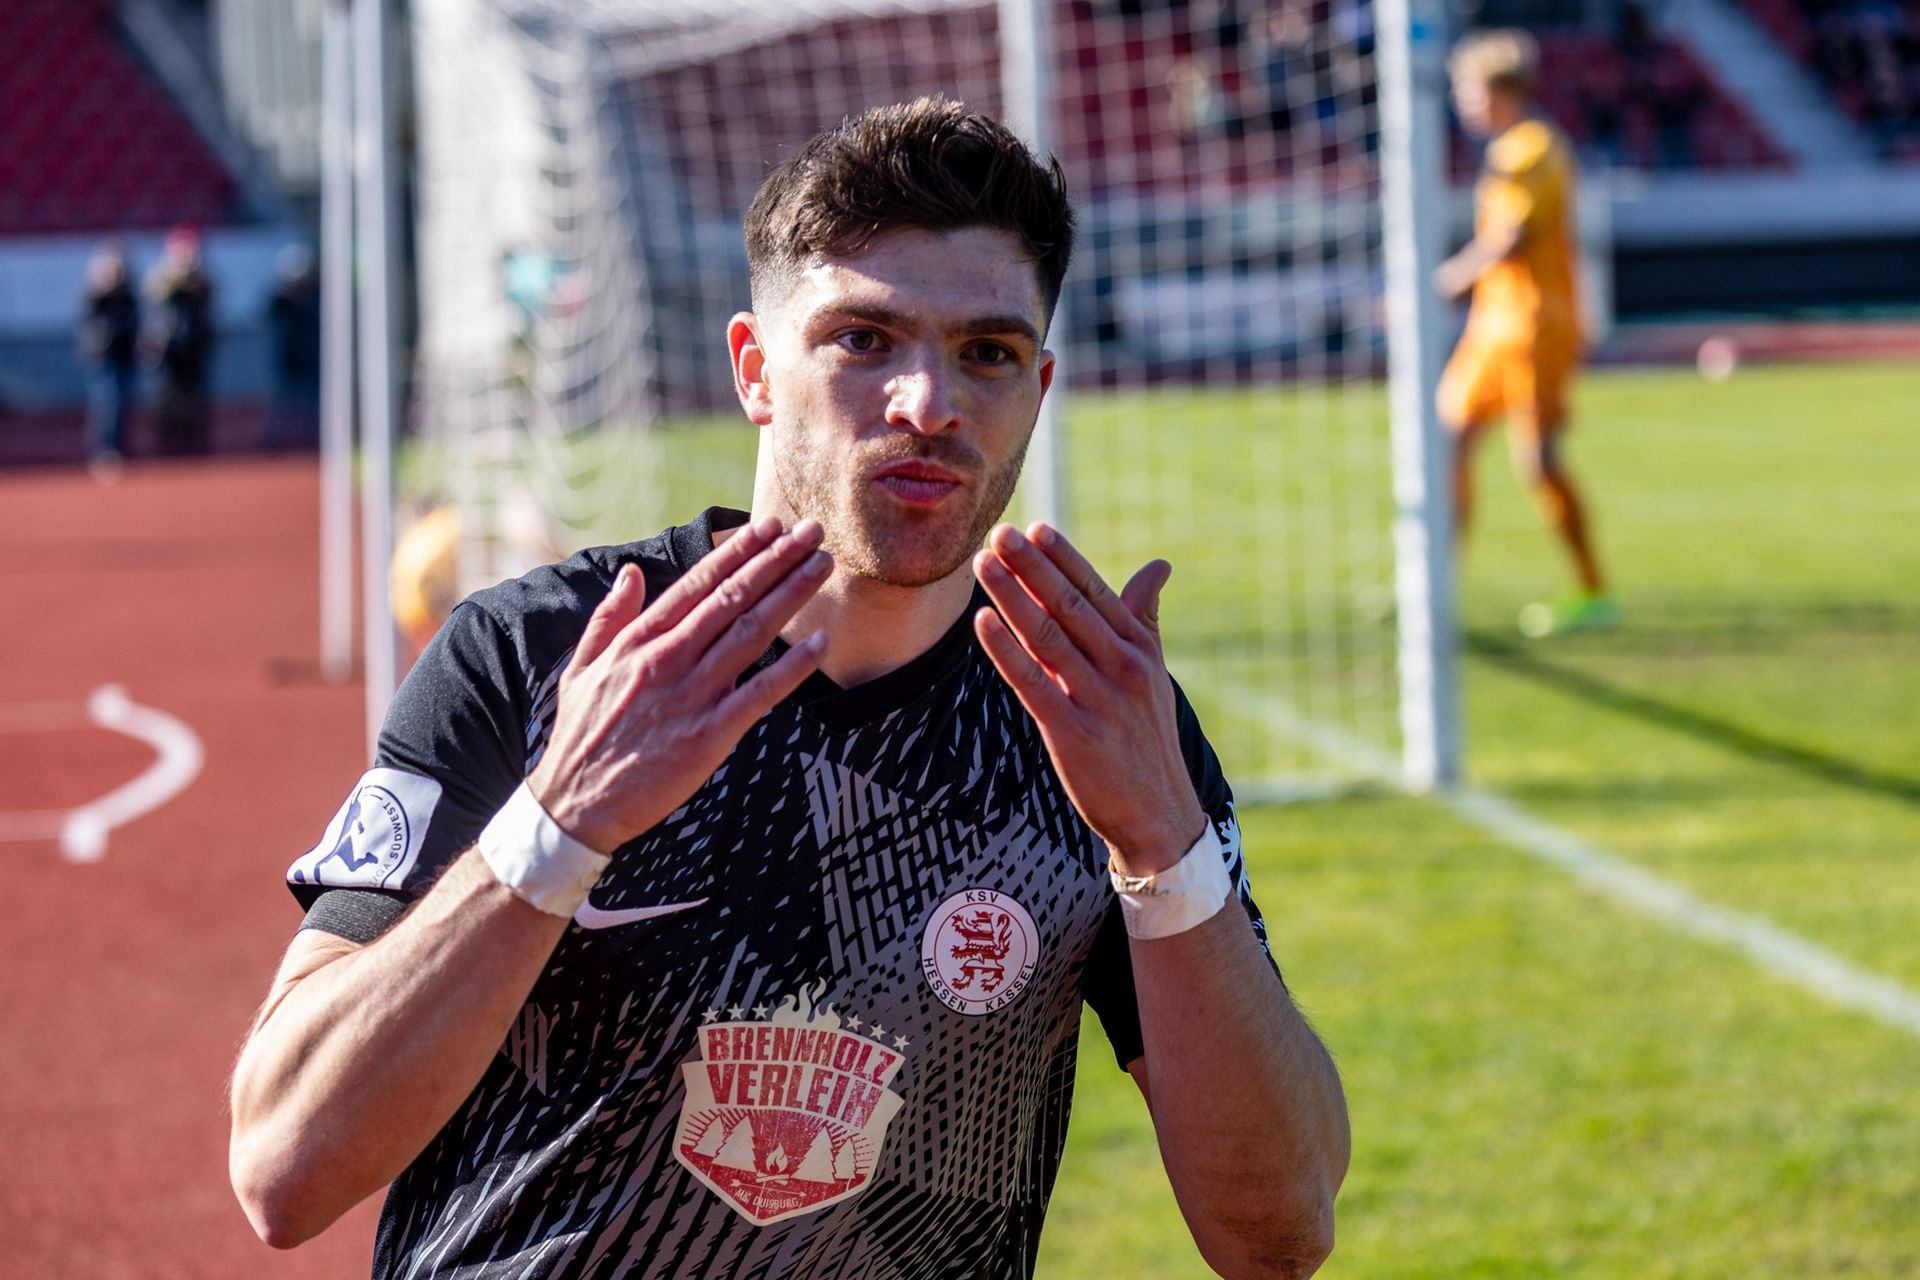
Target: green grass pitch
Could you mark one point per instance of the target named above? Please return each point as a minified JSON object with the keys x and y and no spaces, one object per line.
{"x":1542,"y":1083}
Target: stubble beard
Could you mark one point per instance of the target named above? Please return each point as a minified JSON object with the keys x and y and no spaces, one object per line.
{"x":867,"y":533}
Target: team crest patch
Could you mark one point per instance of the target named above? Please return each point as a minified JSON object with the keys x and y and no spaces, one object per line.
{"x":375,"y":838}
{"x":786,"y":1114}
{"x":979,"y":950}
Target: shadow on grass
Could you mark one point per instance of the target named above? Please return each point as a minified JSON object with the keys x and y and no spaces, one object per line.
{"x":1671,"y":628}
{"x":1522,"y":661}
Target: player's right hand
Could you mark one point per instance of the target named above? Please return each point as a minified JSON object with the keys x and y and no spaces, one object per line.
{"x":649,"y":706}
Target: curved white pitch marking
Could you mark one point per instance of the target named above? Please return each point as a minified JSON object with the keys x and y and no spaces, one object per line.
{"x":83,"y":832}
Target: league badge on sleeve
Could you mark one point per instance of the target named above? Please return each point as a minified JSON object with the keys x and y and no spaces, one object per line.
{"x":373,"y":841}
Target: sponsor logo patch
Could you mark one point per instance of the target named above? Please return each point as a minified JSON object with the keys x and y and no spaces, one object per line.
{"x":375,"y":838}
{"x":979,"y":951}
{"x":786,"y":1114}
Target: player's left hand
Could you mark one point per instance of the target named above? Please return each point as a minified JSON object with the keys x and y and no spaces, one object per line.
{"x":1086,"y":663}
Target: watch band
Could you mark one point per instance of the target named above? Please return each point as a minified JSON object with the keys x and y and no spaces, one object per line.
{"x":1186,"y":894}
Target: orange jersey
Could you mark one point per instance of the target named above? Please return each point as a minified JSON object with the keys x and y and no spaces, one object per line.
{"x":1530,"y":297}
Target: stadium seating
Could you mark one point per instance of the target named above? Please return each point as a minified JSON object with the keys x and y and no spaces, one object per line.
{"x":1638,"y":98}
{"x":1645,"y":101}
{"x":1215,"y":97}
{"x":89,"y":140}
{"x":1866,"y":53}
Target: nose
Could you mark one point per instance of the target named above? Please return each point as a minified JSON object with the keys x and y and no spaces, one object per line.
{"x":921,"y":400}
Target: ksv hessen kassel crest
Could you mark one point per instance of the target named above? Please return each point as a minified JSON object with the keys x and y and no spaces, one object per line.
{"x":979,"y":950}
{"x":787,"y":1114}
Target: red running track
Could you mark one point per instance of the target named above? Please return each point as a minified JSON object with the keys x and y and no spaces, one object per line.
{"x":126,"y":984}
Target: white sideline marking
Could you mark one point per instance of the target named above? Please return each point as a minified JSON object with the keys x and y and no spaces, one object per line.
{"x":1778,"y":951}
{"x":82,"y":831}
{"x":1784,"y":954}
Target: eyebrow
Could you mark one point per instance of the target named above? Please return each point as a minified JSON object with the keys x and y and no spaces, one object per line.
{"x":979,"y":327}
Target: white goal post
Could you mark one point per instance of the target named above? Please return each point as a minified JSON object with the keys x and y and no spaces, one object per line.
{"x":1238,"y":307}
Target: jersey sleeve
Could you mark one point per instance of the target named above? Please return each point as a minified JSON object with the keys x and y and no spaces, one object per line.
{"x":1109,"y":982}
{"x":1516,"y":184}
{"x":452,"y":749}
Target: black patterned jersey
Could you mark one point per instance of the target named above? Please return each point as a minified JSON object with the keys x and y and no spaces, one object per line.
{"x":820,"y":1022}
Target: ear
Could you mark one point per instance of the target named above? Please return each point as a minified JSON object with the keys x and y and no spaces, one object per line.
{"x":750,"y":368}
{"x":1047,"y":367}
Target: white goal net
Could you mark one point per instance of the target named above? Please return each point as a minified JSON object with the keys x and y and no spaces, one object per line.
{"x":584,"y":165}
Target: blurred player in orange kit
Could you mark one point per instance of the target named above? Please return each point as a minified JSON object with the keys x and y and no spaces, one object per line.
{"x":1522,"y":342}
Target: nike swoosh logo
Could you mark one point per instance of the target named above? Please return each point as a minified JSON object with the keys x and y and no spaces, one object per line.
{"x":589,"y":916}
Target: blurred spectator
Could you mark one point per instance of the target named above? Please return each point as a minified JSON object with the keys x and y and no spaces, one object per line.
{"x":109,"y":347}
{"x":1287,"y":73}
{"x":179,"y":342}
{"x":1301,"y":67}
{"x":293,"y":318}
{"x":1198,"y":108}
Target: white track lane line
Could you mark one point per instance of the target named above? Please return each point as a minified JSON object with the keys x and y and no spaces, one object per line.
{"x":28,"y":717}
{"x":1778,"y":951}
{"x":82,"y":832}
{"x":32,"y":824}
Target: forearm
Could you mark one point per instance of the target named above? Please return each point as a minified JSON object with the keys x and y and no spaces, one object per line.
{"x":1457,"y":276}
{"x":362,"y":1060}
{"x":1246,"y":1103}
{"x":362,"y":1054}
{"x":1247,"y":1106}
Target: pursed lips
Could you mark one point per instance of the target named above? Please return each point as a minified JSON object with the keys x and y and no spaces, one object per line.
{"x":918,"y":482}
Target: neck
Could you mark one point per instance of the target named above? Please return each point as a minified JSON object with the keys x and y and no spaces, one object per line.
{"x":1503,"y":114}
{"x":874,"y":627}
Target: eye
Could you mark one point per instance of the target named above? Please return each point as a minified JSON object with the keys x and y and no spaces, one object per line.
{"x":994,"y":353}
{"x":861,"y":342}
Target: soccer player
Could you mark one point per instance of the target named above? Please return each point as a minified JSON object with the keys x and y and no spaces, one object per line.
{"x":724,"y":904}
{"x":1522,"y":343}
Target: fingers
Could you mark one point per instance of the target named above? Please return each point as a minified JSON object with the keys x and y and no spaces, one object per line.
{"x":1078,"y":571}
{"x":622,"y":605}
{"x":752,"y":603}
{"x":700,"y":581}
{"x":1037,"y":692}
{"x":755,"y":697}
{"x":1141,"y":595}
{"x":1094,"y":623}
{"x":752,"y":629}
{"x":1033,"y":627}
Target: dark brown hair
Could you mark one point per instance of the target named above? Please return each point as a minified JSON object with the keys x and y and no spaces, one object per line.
{"x":929,"y":164}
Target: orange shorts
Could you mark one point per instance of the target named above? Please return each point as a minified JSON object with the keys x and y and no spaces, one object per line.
{"x":1525,"y":384}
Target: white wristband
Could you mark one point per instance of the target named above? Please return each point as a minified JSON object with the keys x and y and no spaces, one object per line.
{"x":532,"y":856}
{"x":1186,"y":894}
